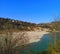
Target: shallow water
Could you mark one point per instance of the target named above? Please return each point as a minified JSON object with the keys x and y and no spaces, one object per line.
{"x":40,"y":46}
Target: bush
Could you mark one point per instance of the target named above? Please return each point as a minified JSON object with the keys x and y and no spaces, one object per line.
{"x":9,"y":44}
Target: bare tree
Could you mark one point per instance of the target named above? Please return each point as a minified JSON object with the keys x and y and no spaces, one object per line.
{"x":56,"y":31}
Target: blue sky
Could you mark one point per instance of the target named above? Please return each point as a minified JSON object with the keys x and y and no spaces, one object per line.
{"x":36,"y":11}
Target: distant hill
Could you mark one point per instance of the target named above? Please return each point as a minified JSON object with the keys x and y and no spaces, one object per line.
{"x":45,"y":25}
{"x":51,"y":25}
{"x":14,"y":25}
{"x":10,"y":24}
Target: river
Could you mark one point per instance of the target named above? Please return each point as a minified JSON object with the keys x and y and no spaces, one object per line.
{"x":41,"y":45}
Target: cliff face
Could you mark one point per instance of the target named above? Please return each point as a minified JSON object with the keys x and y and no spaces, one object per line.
{"x":10,"y":24}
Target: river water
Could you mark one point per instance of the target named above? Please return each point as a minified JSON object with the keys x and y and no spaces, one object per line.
{"x":40,"y":46}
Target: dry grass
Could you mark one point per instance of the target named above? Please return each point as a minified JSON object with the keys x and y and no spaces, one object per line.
{"x":9,"y":43}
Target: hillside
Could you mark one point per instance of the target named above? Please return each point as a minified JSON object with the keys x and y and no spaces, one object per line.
{"x":51,"y":25}
{"x":10,"y":24}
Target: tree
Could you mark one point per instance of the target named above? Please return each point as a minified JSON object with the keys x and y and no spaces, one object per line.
{"x":56,"y":32}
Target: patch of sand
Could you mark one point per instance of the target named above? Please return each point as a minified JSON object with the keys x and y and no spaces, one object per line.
{"x":35,"y":36}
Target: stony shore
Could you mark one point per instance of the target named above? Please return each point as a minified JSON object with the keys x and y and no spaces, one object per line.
{"x":35,"y":36}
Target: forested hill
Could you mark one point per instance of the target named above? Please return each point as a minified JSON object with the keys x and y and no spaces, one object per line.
{"x":10,"y":24}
